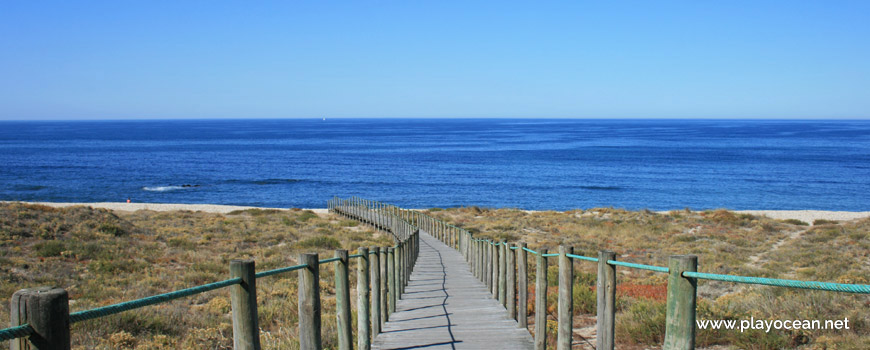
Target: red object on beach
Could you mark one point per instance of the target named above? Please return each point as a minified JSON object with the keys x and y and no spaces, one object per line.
{"x":128,"y":200}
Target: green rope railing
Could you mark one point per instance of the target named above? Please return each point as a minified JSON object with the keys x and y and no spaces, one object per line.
{"x":549,"y":255}
{"x":324,"y":261}
{"x":355,"y":256}
{"x":280,"y":271}
{"x":828,"y":286}
{"x":581,"y":257}
{"x":639,"y":266}
{"x":15,"y":332}
{"x":155,"y":299}
{"x":530,"y":251}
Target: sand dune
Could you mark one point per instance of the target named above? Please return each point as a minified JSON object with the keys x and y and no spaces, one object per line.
{"x":209,"y":208}
{"x":804,"y":215}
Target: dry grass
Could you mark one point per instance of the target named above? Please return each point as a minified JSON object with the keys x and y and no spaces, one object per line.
{"x":102,"y":257}
{"x":725,"y":242}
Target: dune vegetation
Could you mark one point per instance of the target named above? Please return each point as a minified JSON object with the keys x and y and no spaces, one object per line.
{"x":102,"y":257}
{"x":725,"y":242}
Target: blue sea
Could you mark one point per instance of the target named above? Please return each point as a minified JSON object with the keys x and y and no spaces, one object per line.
{"x":521,"y":163}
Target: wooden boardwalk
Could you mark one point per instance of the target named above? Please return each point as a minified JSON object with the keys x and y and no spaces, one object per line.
{"x":445,"y":307}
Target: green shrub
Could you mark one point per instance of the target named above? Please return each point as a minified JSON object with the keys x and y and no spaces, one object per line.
{"x":795,"y":222}
{"x":306,"y":215}
{"x":824,"y":222}
{"x":348,"y":223}
{"x":643,"y":322}
{"x":111,"y":229}
{"x":321,"y":242}
{"x":49,"y":248}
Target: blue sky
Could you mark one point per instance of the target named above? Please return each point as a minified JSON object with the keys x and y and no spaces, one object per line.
{"x":300,"y":59}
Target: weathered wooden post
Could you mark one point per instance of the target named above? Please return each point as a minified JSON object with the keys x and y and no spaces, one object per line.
{"x":363,"y":324}
{"x":375,"y":270}
{"x":391,"y":281}
{"x":493,"y":273}
{"x":541,"y":301}
{"x":606,"y":308}
{"x":46,"y":310}
{"x":243,"y":296}
{"x":566,"y":298}
{"x":682,"y":292}
{"x":383,"y":286}
{"x":309,"y":303}
{"x":511,"y":283}
{"x":523,"y":286}
{"x":401,"y":270}
{"x":502,"y":273}
{"x":342,"y":301}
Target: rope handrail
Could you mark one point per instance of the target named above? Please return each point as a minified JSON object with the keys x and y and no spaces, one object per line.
{"x":15,"y":332}
{"x":355,"y":256}
{"x":324,"y":261}
{"x":549,"y":255}
{"x":530,"y":251}
{"x":639,"y":266}
{"x":280,"y":270}
{"x":581,"y":257}
{"x":815,"y":285}
{"x":154,"y":299}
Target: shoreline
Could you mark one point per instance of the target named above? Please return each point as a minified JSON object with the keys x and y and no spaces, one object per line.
{"x":807,"y":216}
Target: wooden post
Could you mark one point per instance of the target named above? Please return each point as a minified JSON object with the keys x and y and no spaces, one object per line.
{"x":391,"y":281}
{"x":541,"y":301}
{"x":309,"y":303}
{"x":502,"y":273}
{"x":523,"y":286}
{"x":46,"y":309}
{"x":363,"y":324}
{"x":511,"y":283}
{"x":342,"y":301}
{"x":246,"y":329}
{"x":383,"y":294}
{"x":493,"y":252}
{"x":376,"y":292}
{"x":566,"y":298}
{"x":682,"y":291}
{"x":401,"y":270}
{"x":606,"y":308}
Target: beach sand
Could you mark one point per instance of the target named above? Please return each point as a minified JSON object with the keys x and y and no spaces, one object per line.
{"x":121,"y":206}
{"x":807,"y":216}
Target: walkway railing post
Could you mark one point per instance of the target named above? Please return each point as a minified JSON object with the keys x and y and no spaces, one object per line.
{"x":375,"y":270}
{"x":511,"y":283}
{"x":363,"y":324}
{"x":391,"y":281}
{"x":566,"y":298}
{"x":342,"y":301}
{"x":541,"y":301}
{"x":400,"y":258}
{"x":606,"y":308}
{"x":309,"y":303}
{"x":502,"y":273}
{"x":523,"y":286}
{"x":243,"y":296}
{"x":682,"y":292}
{"x":494,"y":273}
{"x":383,"y":285}
{"x":46,"y":309}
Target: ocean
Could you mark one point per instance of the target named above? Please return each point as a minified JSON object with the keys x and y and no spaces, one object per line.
{"x":419,"y":163}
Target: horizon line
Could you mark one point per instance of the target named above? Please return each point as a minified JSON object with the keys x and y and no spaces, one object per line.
{"x":440,"y":118}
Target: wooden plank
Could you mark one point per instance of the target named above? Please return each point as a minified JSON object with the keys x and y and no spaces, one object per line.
{"x":445,"y":307}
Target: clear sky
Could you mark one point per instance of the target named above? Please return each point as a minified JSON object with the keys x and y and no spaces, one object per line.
{"x":291,"y":59}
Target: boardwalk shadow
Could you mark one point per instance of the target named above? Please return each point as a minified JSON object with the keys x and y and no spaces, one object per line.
{"x":446,"y":315}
